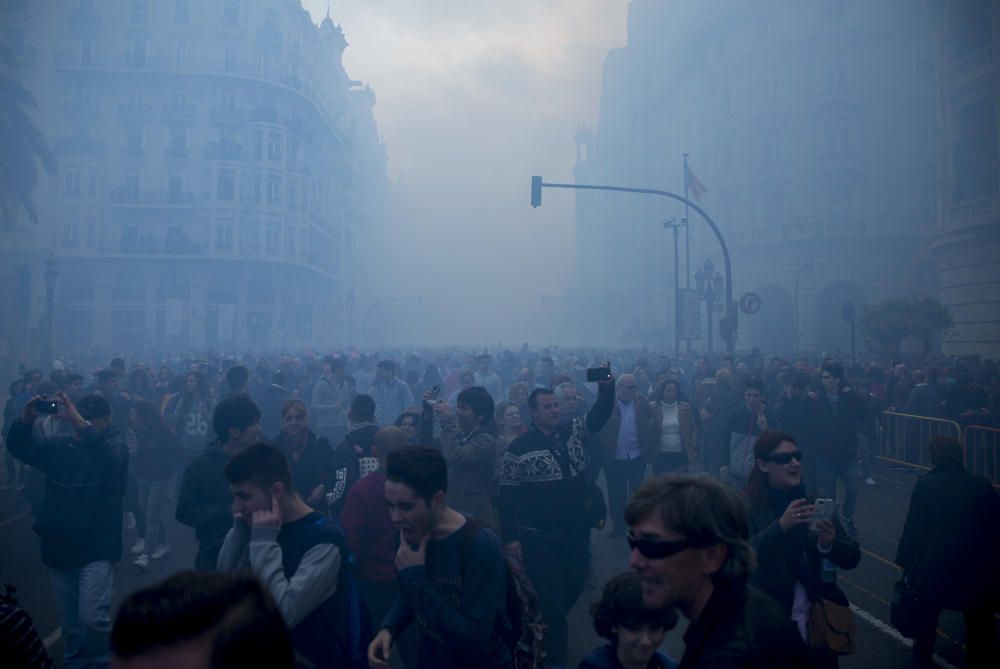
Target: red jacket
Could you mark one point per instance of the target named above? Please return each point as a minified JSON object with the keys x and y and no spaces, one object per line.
{"x":370,"y":534}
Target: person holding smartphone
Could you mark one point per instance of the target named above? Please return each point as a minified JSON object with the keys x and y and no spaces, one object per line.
{"x":795,"y":549}
{"x":80,"y":520}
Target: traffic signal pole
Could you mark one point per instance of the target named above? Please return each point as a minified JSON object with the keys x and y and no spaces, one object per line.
{"x":732,"y":311}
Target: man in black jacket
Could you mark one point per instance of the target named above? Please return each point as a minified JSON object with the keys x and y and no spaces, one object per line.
{"x":950,"y":550}
{"x":353,"y":459}
{"x":205,"y":502}
{"x":80,"y":521}
{"x":690,"y":543}
{"x":543,"y":485}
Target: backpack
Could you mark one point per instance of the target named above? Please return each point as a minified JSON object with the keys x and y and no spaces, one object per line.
{"x":359,"y":634}
{"x":20,"y":645}
{"x":521,"y":628}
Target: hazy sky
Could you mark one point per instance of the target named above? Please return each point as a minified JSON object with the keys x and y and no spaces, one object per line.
{"x":473,"y":97}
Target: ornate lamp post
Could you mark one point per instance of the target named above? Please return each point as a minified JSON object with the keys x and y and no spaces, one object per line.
{"x":709,"y":284}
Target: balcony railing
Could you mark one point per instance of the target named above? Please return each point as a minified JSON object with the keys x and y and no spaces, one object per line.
{"x":228,"y":115}
{"x":178,"y":112}
{"x":127,"y":110}
{"x":85,"y":110}
{"x":78,"y":147}
{"x":176,"y":153}
{"x":147,"y":198}
{"x":224,"y":150}
{"x":981,"y":58}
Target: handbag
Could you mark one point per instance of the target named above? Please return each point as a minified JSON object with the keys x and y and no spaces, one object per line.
{"x":904,"y":607}
{"x":831,"y":627}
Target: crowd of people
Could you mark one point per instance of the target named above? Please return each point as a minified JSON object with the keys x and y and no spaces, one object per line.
{"x":435,"y":508}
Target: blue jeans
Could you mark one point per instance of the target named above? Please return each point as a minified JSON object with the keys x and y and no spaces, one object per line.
{"x":827,"y":473}
{"x":152,"y":498}
{"x":83,"y":597}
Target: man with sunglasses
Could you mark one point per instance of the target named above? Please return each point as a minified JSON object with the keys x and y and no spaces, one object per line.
{"x":690,"y":543}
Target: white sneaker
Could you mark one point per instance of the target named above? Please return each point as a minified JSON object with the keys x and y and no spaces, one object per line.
{"x":139,"y":547}
{"x":142,"y":561}
{"x":869,"y":481}
{"x":161,"y":551}
{"x":130,"y":520}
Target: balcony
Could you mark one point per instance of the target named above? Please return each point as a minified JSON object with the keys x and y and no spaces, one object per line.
{"x":129,"y":111}
{"x":177,"y":112}
{"x":82,"y":111}
{"x":228,"y":115}
{"x":78,"y":146}
{"x":264,"y":114}
{"x":270,"y":35}
{"x":224,"y":149}
{"x":978,"y":61}
{"x":973,"y":213}
{"x":127,"y":197}
{"x":133,"y":151}
{"x":176,"y":153}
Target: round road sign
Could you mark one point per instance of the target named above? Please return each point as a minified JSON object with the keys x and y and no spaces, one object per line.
{"x":750,"y":303}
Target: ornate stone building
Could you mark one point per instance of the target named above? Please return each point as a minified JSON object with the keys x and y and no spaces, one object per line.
{"x":812,"y":124}
{"x":967,"y":247}
{"x":219,"y":174}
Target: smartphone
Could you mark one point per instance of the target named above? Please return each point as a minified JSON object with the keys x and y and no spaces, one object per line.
{"x":824,"y":508}
{"x":595,"y":374}
{"x":45,"y":406}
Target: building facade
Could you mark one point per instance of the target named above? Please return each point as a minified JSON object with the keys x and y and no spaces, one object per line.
{"x":967,"y":245}
{"x":218,"y":175}
{"x":812,"y":125}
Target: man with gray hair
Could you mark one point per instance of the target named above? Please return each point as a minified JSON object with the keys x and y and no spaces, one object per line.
{"x":690,"y":543}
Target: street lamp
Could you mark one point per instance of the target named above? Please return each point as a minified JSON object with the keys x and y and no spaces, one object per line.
{"x":50,"y":274}
{"x":674,"y":225}
{"x":709,"y":284}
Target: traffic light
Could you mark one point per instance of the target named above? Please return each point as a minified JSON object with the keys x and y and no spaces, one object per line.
{"x":536,"y":191}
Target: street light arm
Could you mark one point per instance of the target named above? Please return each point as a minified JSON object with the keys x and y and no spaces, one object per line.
{"x":674,"y":196}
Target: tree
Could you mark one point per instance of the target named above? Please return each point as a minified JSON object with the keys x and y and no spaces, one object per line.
{"x":24,"y":146}
{"x":885,"y":325}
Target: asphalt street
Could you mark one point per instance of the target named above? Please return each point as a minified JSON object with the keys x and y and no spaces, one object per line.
{"x":881,"y":511}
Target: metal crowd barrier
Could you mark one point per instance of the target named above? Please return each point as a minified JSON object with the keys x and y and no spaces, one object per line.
{"x":904,"y":437}
{"x":981,"y":451}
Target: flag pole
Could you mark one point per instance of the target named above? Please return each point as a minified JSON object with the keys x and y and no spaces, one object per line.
{"x":687,"y":243}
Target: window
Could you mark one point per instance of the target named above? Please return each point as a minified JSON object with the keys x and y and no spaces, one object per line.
{"x":231,"y":12}
{"x":140,"y":12}
{"x":71,"y":183}
{"x":273,"y":146}
{"x":178,"y":99}
{"x":182,"y":12}
{"x":136,"y":56}
{"x":225,"y":186}
{"x":92,"y":184}
{"x":258,"y":145}
{"x":132,"y":145}
{"x":273,"y":238}
{"x":177,"y":142}
{"x":86,"y":51}
{"x":232,"y":58}
{"x":256,"y":186}
{"x":224,"y":236}
{"x":290,"y":241}
{"x":135,"y":97}
{"x":71,"y":232}
{"x":175,"y":189}
{"x":249,"y":239}
{"x":293,"y":199}
{"x":180,"y":54}
{"x":974,"y":152}
{"x":274,"y":190}
{"x":91,"y":232}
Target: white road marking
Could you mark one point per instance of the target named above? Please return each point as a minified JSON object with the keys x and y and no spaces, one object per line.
{"x":893,"y":633}
{"x":53,"y":638}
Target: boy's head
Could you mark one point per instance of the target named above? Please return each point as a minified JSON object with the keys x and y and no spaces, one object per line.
{"x":236,"y":420}
{"x":259,"y":478}
{"x":415,"y":489}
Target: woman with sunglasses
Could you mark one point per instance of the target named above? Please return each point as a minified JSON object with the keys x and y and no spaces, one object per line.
{"x":634,"y":631}
{"x":796,"y":562}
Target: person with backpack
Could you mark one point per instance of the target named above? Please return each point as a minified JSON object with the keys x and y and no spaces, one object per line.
{"x":299,"y":555}
{"x":452,"y":575}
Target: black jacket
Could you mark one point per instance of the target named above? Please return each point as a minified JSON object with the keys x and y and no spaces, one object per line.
{"x":80,"y":520}
{"x":206,"y":504}
{"x":786,"y":558}
{"x":742,"y":627}
{"x":841,"y":421}
{"x":348,"y":458}
{"x":314,"y":467}
{"x":950,"y":544}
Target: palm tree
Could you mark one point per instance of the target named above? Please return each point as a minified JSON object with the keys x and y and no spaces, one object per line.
{"x":22,"y":146}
